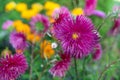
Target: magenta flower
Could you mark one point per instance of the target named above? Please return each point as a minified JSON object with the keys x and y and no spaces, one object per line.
{"x":18,"y":40}
{"x":98,"y":52}
{"x":7,"y":24}
{"x":116,"y":27}
{"x":90,"y":9}
{"x":60,"y":14}
{"x":60,"y":68}
{"x":78,"y":37}
{"x":90,"y":6}
{"x":12,"y":66}
{"x":40,"y":22}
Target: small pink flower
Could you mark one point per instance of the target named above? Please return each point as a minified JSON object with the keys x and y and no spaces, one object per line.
{"x":12,"y":66}
{"x":116,"y":27}
{"x":60,"y":68}
{"x":90,"y":6}
{"x":42,"y":20}
{"x":58,"y":14}
{"x":18,"y":40}
{"x":7,"y":24}
{"x":90,"y":9}
{"x":98,"y":52}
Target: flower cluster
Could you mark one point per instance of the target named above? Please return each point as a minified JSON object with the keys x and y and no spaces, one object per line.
{"x":53,"y":32}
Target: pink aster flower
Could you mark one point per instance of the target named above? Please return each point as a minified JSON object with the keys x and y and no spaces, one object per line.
{"x":90,"y":9}
{"x":116,"y":27}
{"x":90,"y":6}
{"x":60,"y":14}
{"x":18,"y":40}
{"x":7,"y":24}
{"x":60,"y":68}
{"x":40,"y":22}
{"x":12,"y":66}
{"x":98,"y":52}
{"x":78,"y":37}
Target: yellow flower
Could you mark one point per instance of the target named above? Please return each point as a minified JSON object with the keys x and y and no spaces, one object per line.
{"x":20,"y":7}
{"x":33,"y":37}
{"x":49,"y":12}
{"x":46,"y":50}
{"x":50,"y":7}
{"x":21,"y":27}
{"x":37,"y":7}
{"x":28,"y":14}
{"x":17,"y":23}
{"x":10,"y":6}
{"x":77,"y":11}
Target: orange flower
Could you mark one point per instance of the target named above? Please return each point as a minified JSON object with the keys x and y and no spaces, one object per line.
{"x":33,"y":37}
{"x":46,"y":50}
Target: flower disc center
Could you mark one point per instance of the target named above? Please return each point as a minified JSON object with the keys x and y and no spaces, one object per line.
{"x":75,"y":36}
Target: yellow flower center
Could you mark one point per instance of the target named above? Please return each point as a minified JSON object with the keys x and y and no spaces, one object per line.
{"x":75,"y":36}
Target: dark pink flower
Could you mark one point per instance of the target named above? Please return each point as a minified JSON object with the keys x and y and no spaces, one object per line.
{"x":90,"y":9}
{"x":18,"y":40}
{"x":12,"y":66}
{"x":77,"y":36}
{"x":98,"y":52}
{"x":60,"y":68}
{"x":60,"y":14}
{"x":7,"y":24}
{"x":90,"y":6}
{"x":40,"y":22}
{"x":116,"y":27}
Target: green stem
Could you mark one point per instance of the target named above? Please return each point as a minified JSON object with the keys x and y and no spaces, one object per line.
{"x":77,"y":2}
{"x":73,"y":3}
{"x":104,"y":20}
{"x":107,"y":67}
{"x":75,"y":63}
{"x":83,"y":71}
{"x":31,"y":62}
{"x":44,"y":70}
{"x":70,"y":75}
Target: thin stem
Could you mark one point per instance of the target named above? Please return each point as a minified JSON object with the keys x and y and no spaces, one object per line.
{"x":31,"y":61}
{"x":70,"y":75}
{"x":107,"y":67}
{"x":104,"y":20}
{"x":75,"y":63}
{"x":77,"y":2}
{"x":44,"y":70}
{"x":73,"y":3}
{"x":83,"y":71}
